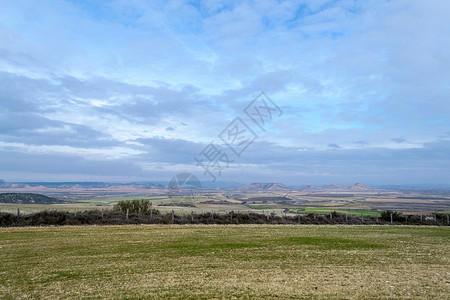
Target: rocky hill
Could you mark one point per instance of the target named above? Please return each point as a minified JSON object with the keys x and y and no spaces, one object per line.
{"x":359,"y":187}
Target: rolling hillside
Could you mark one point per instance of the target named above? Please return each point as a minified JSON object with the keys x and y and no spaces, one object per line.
{"x":27,"y":198}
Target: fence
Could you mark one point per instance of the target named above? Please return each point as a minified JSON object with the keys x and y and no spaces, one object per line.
{"x":105,"y":217}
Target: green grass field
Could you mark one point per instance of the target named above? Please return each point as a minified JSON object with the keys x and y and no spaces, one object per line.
{"x":203,"y":262}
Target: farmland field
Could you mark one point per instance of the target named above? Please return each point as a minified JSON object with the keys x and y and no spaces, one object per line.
{"x":225,"y":262}
{"x":352,"y":200}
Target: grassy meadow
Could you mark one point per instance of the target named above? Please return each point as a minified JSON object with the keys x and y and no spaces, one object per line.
{"x":204,"y":262}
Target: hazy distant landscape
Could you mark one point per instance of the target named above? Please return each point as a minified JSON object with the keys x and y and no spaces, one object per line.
{"x":256,"y":197}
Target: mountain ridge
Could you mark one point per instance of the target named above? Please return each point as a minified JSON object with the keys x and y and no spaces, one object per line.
{"x":264,"y":186}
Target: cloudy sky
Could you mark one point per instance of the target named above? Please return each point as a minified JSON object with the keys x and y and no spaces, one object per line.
{"x":121,"y":90}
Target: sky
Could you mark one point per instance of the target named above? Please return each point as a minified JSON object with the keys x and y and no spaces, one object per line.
{"x":134,"y":90}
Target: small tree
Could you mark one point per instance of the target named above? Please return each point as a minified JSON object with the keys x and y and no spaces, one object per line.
{"x":136,"y":206}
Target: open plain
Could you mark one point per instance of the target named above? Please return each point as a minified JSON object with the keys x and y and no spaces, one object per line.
{"x":204,"y":262}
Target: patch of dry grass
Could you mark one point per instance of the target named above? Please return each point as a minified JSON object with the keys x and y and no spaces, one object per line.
{"x":206,"y":262}
{"x":34,"y":208}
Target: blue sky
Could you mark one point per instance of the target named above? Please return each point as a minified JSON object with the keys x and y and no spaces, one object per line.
{"x":134,"y":90}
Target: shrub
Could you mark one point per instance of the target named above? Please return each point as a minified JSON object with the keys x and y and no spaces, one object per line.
{"x":47,"y":218}
{"x":136,"y":207}
{"x":396,"y":217}
{"x":7,"y":219}
{"x":441,"y":216}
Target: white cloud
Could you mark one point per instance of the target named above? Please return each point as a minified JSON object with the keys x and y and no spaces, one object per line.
{"x":84,"y":78}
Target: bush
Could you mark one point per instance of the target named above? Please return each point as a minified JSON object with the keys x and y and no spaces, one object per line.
{"x":7,"y":219}
{"x":136,"y":207}
{"x":441,"y":216}
{"x":47,"y":218}
{"x":396,"y":217}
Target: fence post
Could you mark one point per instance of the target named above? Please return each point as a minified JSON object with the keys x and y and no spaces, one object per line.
{"x":75,"y":212}
{"x":448,"y":220}
{"x":18,"y":213}
{"x":151,"y":214}
{"x":331,"y":216}
{"x":377,"y":218}
{"x":231,"y":215}
{"x":314,"y":215}
{"x":421,"y":218}
{"x":435,"y":219}
{"x":346,"y":217}
{"x":212,"y":215}
{"x":102,"y":212}
{"x":126,"y":217}
{"x":192,"y":216}
{"x":298,"y":217}
{"x":391,"y":218}
{"x":362,"y":218}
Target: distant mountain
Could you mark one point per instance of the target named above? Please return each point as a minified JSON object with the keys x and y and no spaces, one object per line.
{"x":78,"y":185}
{"x":332,"y":187}
{"x":27,"y":198}
{"x":359,"y":187}
{"x":8,"y":185}
{"x":220,"y":185}
{"x":264,"y":186}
